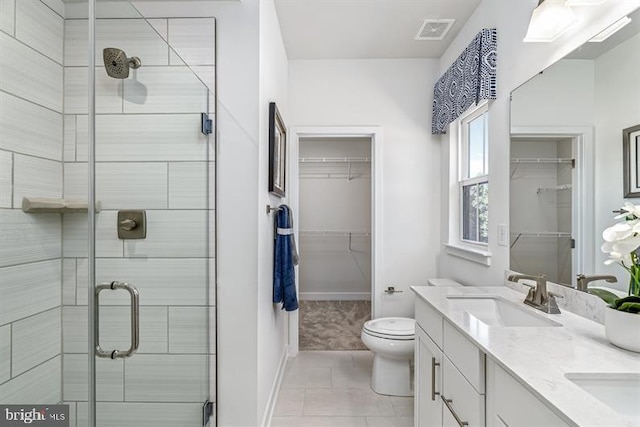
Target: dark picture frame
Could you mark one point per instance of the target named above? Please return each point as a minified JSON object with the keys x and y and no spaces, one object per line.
{"x":277,"y":152}
{"x":631,"y":159}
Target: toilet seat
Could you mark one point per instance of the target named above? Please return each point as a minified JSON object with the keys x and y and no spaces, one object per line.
{"x":393,"y":328}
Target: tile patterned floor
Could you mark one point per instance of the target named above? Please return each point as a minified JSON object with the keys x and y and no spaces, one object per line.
{"x":332,"y":389}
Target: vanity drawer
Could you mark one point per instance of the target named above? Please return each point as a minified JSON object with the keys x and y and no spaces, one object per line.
{"x":465,"y":356}
{"x":461,"y":399}
{"x":430,"y":321}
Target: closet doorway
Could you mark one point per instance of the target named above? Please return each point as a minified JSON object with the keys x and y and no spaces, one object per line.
{"x":334,"y":200}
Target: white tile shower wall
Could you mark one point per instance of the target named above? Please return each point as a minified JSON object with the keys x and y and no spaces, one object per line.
{"x":108,"y":91}
{"x":30,"y":75}
{"x":40,"y":384}
{"x":5,"y":353}
{"x":6,"y":179}
{"x":35,"y":340}
{"x":191,"y":38}
{"x":28,"y":128}
{"x":46,"y":35}
{"x":28,"y":238}
{"x":150,"y":155}
{"x":34,"y":177}
{"x":134,"y":36}
{"x":7,"y":14}
{"x":143,"y":137}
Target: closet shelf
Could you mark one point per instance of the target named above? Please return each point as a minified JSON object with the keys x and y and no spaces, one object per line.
{"x":334,"y":167}
{"x":55,"y":205}
{"x":555,"y":188}
{"x":335,"y":160}
{"x":541,"y":160}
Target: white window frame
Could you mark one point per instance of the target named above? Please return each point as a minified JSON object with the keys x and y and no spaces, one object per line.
{"x":463,"y":166}
{"x":477,"y":252}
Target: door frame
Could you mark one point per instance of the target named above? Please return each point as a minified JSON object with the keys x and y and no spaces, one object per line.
{"x":583,"y":192}
{"x":376,"y":136}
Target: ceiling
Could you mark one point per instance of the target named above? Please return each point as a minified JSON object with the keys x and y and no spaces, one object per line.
{"x":366,"y":29}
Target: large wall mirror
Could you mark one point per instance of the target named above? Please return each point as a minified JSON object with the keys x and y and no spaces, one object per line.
{"x":566,"y":174}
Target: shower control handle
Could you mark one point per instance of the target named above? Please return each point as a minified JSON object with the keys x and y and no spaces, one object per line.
{"x":128,"y":224}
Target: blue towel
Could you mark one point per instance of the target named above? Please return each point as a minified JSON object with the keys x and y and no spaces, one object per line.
{"x":284,"y":277}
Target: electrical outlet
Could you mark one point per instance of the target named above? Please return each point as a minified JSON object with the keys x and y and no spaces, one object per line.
{"x":503,"y":235}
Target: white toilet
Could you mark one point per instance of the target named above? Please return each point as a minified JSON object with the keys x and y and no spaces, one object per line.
{"x":391,"y":339}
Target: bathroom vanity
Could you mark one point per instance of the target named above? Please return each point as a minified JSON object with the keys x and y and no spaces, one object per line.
{"x":483,"y":358}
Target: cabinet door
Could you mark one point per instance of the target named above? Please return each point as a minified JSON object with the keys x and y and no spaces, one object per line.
{"x":462,"y":399}
{"x":427,"y":381}
{"x":510,"y":404}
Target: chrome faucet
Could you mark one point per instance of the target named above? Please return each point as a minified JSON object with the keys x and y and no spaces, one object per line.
{"x":582,"y":284}
{"x":538,"y":297}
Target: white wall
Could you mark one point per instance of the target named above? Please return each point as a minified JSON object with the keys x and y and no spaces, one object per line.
{"x":617,"y":107}
{"x":31,"y":133}
{"x":517,"y":62}
{"x":272,"y":322}
{"x":395,"y":95}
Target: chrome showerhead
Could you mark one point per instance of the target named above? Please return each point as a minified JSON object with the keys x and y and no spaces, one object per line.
{"x":117,"y":64}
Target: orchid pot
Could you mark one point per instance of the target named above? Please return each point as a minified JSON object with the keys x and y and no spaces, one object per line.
{"x":622,"y":243}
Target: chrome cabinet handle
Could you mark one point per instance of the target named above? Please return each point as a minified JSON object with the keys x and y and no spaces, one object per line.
{"x":434,"y":393}
{"x":135,"y":320}
{"x":448,"y":402}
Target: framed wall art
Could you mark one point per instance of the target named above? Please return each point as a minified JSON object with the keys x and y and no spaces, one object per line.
{"x":631,"y":158}
{"x":277,"y":152}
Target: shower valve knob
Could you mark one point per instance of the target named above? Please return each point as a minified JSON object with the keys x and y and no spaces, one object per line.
{"x":128,"y":224}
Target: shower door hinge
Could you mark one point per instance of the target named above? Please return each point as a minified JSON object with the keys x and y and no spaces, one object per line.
{"x":207,"y":412}
{"x":207,"y":124}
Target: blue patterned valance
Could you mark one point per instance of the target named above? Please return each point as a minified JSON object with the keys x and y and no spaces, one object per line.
{"x":470,"y":79}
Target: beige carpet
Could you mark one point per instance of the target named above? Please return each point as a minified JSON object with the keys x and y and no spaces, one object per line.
{"x":332,"y":325}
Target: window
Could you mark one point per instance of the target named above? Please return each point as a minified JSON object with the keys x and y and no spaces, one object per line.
{"x":473,"y":181}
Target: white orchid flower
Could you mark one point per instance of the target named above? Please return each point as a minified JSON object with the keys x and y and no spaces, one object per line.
{"x":618,"y":232}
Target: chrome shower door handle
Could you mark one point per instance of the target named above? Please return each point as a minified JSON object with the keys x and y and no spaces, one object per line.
{"x":135,"y":320}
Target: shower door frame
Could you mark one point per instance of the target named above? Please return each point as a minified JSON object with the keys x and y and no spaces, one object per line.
{"x":375,"y":134}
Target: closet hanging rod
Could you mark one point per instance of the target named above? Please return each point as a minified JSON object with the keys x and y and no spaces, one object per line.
{"x":541,"y":160}
{"x":334,"y":160}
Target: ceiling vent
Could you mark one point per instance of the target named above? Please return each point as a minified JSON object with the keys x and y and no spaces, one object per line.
{"x":434,"y":29}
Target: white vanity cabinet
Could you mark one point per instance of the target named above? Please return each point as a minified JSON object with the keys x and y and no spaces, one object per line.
{"x":510,"y":404}
{"x":449,"y":374}
{"x":428,"y":381}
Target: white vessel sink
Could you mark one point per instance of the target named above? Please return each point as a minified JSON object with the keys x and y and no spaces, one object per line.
{"x":620,"y":392}
{"x":496,"y":311}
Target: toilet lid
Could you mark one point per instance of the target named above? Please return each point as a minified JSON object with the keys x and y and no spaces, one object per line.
{"x":399,"y":327}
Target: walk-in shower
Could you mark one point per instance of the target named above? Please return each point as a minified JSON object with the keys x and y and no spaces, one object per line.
{"x":117,"y":64}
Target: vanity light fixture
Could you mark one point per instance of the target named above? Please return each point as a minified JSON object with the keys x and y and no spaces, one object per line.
{"x":611,"y":30}
{"x":549,"y":20}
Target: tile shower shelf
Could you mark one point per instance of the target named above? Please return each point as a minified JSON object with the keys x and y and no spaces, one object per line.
{"x":55,"y":205}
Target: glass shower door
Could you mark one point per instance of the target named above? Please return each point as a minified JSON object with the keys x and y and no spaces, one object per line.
{"x":148,"y":277}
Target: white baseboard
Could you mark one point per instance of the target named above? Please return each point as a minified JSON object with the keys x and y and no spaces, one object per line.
{"x":275,"y":389}
{"x":335,"y":296}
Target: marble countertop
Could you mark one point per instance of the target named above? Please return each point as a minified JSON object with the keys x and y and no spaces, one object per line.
{"x":539,"y":357}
